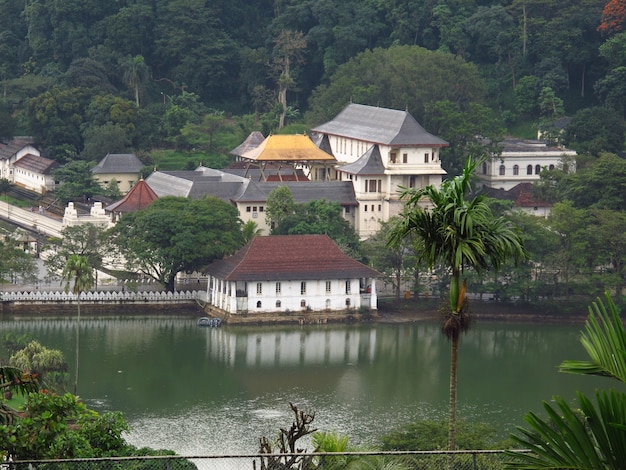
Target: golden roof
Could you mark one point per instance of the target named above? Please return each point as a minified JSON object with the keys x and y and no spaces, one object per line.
{"x":293,"y":147}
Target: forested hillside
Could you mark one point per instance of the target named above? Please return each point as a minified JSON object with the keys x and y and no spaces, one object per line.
{"x":83,"y":76}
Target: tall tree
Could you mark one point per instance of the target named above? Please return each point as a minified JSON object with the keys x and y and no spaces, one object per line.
{"x":289,"y":49}
{"x":279,"y":205}
{"x":88,"y":240}
{"x":136,"y":73}
{"x":460,"y":233}
{"x":175,"y":234}
{"x":78,"y":276}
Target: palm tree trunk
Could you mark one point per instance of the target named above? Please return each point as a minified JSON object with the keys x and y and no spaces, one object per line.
{"x":454,"y":352}
{"x":77,"y":345}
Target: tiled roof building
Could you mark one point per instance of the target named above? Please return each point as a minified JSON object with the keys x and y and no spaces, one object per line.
{"x":291,"y":273}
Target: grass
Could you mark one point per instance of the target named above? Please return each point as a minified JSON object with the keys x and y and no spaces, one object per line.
{"x":171,"y":160}
{"x":17,"y":202}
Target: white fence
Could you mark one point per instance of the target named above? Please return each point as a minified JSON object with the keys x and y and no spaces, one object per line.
{"x":105,"y":297}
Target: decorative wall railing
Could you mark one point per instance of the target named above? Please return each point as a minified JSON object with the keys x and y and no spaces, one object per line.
{"x":104,"y":297}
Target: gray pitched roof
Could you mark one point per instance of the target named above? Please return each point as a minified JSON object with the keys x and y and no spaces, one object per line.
{"x":197,"y":183}
{"x":370,"y":163}
{"x":381,"y":126}
{"x":302,"y":191}
{"x":118,"y":163}
{"x":252,"y":141}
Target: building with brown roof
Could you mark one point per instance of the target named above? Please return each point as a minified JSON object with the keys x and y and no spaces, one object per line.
{"x":291,"y":273}
{"x":139,"y":197}
{"x":34,"y":173}
{"x":12,"y":151}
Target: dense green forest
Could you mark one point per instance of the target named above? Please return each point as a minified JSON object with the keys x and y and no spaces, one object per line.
{"x":86,"y":77}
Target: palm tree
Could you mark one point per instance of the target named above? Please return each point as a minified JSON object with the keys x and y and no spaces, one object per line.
{"x":587,"y":435}
{"x":459,"y":233}
{"x":79,"y":271}
{"x":136,"y":73}
{"x":250,"y":230}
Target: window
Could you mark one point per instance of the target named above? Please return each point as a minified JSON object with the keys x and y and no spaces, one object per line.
{"x":303,"y":303}
{"x":372,"y":186}
{"x":379,"y":207}
{"x":254,"y":209}
{"x":258,"y":304}
{"x":347,"y":302}
{"x":516,"y":170}
{"x":348,"y":286}
{"x":259,"y":288}
{"x":303,"y":287}
{"x":529,"y":170}
{"x":484,"y":168}
{"x":392,"y":157}
{"x":365,"y":207}
{"x":551,"y":167}
{"x":328,"y":286}
{"x":248,"y":208}
{"x":405,"y":158}
{"x":278,"y":288}
{"x":426,"y":158}
{"x":412,"y":182}
{"x":372,"y":207}
{"x":502,"y":170}
{"x":347,"y":209}
{"x":261,"y":209}
{"x":278,"y":304}
{"x":537,"y":169}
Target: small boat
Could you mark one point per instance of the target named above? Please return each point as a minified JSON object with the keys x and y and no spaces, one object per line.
{"x":211,"y":322}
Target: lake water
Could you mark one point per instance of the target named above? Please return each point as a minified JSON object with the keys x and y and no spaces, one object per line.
{"x":209,"y":391}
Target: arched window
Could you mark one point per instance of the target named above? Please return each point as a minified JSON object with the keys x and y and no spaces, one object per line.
{"x":484,"y":168}
{"x":529,"y":170}
{"x":303,"y":303}
{"x":258,"y":304}
{"x":278,"y":304}
{"x":516,"y":170}
{"x":502,"y":170}
{"x":347,"y":302}
{"x":537,"y":169}
{"x":551,"y":167}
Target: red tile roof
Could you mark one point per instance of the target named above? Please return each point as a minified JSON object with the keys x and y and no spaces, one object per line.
{"x":289,"y":257}
{"x":139,"y":197}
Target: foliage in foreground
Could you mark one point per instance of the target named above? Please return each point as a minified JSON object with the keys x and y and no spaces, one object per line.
{"x":591,"y":435}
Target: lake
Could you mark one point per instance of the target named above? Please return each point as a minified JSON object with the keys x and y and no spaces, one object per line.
{"x":210,"y":391}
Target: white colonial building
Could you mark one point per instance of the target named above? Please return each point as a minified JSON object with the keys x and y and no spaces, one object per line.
{"x":521,"y":161}
{"x":290,"y":273}
{"x":380,"y":150}
{"x":22,"y":164}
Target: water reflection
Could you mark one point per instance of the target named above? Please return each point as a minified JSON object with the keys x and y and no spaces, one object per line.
{"x":217,"y":390}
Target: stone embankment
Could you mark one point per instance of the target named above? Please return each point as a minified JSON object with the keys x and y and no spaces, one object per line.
{"x":60,"y":304}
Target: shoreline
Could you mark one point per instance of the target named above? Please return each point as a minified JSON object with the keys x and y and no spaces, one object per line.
{"x":389,"y":311}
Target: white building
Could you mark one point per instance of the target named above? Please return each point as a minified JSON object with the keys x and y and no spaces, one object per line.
{"x":380,"y":150}
{"x":12,"y":151}
{"x":522,"y":161}
{"x":290,"y":273}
